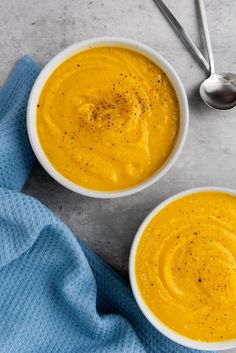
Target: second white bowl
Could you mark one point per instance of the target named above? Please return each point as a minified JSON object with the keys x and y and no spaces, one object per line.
{"x":160,"y":326}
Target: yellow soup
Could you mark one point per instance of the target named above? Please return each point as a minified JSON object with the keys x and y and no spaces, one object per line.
{"x":186,"y":266}
{"x":107,"y":118}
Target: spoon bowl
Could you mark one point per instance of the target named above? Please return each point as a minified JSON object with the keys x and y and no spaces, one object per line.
{"x":219,"y":91}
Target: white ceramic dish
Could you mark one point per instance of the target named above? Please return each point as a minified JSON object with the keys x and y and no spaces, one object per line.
{"x":84,"y":45}
{"x":212,"y":346}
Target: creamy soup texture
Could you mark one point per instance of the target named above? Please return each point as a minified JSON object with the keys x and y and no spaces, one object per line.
{"x":186,"y":266}
{"x":107,"y":118}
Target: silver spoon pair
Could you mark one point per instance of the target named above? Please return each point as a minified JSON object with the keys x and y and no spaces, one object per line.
{"x":219,"y":90}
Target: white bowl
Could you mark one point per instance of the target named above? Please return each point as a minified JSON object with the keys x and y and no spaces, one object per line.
{"x":81,"y":46}
{"x":174,"y":336}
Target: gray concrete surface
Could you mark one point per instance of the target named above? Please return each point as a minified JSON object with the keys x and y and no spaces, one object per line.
{"x":43,"y":28}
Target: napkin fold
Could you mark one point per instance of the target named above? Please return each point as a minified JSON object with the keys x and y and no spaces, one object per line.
{"x":55,"y":294}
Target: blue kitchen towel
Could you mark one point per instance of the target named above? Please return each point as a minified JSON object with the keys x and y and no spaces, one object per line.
{"x":55,"y":294}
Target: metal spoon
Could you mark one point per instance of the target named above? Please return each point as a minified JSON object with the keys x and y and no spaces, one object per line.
{"x":183,"y":35}
{"x":218,"y":91}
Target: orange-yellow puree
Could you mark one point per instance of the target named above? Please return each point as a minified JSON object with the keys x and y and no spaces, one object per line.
{"x":107,"y":118}
{"x":186,"y":266}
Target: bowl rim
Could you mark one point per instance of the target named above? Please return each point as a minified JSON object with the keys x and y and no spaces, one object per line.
{"x":158,"y":324}
{"x":88,"y":44}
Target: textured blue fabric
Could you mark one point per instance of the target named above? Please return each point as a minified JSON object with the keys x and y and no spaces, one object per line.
{"x":55,"y":294}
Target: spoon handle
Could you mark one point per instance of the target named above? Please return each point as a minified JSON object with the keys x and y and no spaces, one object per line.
{"x":183,"y":35}
{"x":207,"y":35}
